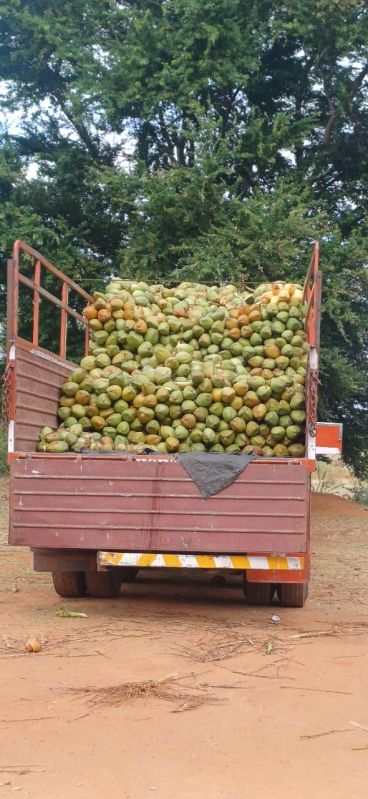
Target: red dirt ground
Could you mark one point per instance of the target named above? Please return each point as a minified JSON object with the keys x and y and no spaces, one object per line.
{"x":258,"y":710}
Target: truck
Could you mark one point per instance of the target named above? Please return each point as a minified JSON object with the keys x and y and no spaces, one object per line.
{"x":95,"y":519}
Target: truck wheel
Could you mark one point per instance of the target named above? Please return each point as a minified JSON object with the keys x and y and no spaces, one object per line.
{"x":103,"y":585}
{"x":292,"y":595}
{"x":69,"y":584}
{"x":128,"y":573}
{"x":259,"y":593}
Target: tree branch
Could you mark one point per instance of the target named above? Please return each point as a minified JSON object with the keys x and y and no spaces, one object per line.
{"x":356,"y":84}
{"x":82,"y":131}
{"x":354,"y":88}
{"x":311,"y":62}
{"x":166,"y":136}
{"x":226,"y":110}
{"x":334,"y":113}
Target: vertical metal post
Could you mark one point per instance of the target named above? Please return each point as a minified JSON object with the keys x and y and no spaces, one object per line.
{"x":36,"y":304}
{"x":316,"y":256}
{"x":310,"y":271}
{"x":11,"y":315}
{"x":63,"y":320}
{"x":8,"y":409}
{"x":86,"y":339}
{"x":317,"y":311}
{"x":15,"y":290}
{"x":311,"y":315}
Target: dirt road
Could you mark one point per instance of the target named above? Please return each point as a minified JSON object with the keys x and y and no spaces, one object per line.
{"x":250,"y":707}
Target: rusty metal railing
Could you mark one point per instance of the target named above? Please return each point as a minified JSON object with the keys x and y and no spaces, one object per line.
{"x":16,"y":277}
{"x":312,"y":296}
{"x":312,"y":291}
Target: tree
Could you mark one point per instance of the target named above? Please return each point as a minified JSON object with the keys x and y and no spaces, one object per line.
{"x":206,"y":138}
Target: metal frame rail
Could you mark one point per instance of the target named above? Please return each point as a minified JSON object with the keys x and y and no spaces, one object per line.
{"x":312,"y":292}
{"x":15,"y":278}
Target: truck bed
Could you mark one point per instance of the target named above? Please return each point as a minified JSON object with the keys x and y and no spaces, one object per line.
{"x":138,"y":502}
{"x":142,"y":502}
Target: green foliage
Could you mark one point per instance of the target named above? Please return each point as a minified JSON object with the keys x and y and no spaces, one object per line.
{"x":3,"y":454}
{"x":206,"y":139}
{"x":360,"y":495}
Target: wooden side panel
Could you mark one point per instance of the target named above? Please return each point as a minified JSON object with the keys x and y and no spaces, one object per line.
{"x":38,"y":380}
{"x":149,"y":503}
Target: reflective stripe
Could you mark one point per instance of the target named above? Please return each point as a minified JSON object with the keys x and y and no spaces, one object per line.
{"x":174,"y":561}
{"x":311,"y":447}
{"x":313,"y":358}
{"x":328,"y":451}
{"x":294,"y":563}
{"x":223,"y":562}
{"x":258,"y":563}
{"x":11,"y":436}
{"x":191,"y":562}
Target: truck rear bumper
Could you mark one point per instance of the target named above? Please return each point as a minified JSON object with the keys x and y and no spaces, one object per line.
{"x":143,"y":560}
{"x":258,"y":568}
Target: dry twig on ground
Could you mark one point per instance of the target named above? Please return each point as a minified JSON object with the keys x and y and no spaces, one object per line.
{"x":187,"y":697}
{"x":313,"y":634}
{"x":207,"y":651}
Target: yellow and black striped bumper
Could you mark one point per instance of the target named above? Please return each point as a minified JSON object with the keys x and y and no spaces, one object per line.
{"x":143,"y":560}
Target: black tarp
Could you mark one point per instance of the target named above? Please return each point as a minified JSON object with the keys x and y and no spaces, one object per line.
{"x":212,"y":472}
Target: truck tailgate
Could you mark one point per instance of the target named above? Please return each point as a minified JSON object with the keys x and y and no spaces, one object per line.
{"x":149,"y":503}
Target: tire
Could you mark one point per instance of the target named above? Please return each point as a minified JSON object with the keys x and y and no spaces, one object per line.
{"x":259,"y":593}
{"x":69,"y":584}
{"x":103,"y":585}
{"x":292,"y":595}
{"x":128,"y":573}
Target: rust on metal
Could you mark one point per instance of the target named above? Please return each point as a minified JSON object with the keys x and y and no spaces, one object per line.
{"x":8,"y":394}
{"x":312,"y":401}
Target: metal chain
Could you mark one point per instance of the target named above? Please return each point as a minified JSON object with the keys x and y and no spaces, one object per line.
{"x":312,"y":402}
{"x":6,"y":389}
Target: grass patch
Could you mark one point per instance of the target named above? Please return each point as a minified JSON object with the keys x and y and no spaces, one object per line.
{"x":3,"y":453}
{"x":360,"y":494}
